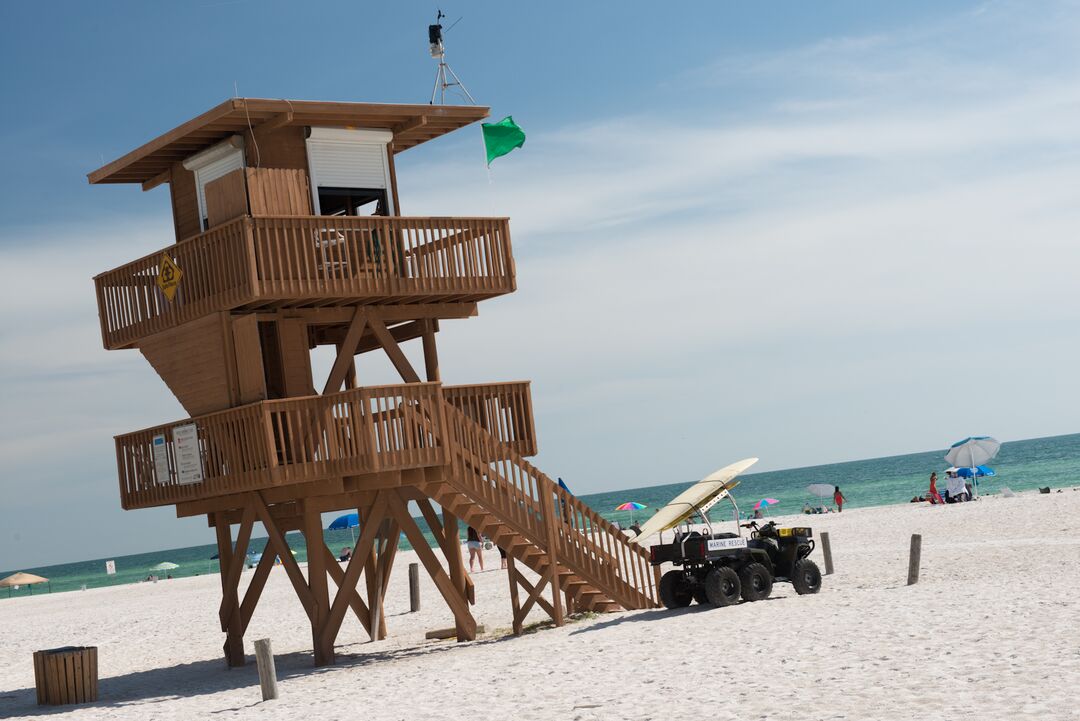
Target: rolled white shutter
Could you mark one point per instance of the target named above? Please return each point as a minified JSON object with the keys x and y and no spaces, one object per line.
{"x":342,"y":158}
{"x":347,"y":165}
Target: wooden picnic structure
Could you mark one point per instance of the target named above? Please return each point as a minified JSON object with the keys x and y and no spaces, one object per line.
{"x":290,"y":236}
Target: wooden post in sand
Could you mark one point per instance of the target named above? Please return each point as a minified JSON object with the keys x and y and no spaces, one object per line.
{"x":414,"y":587}
{"x":826,"y":550}
{"x":264,"y":657}
{"x":914,"y":558}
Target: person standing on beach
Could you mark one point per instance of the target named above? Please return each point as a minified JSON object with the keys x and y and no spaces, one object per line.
{"x":935,"y":497}
{"x":838,"y":499}
{"x":476,"y":548}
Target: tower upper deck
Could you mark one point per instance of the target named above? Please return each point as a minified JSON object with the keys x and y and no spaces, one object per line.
{"x":285,"y":204}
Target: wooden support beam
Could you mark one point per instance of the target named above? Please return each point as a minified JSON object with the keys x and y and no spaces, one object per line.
{"x":346,"y":352}
{"x":401,"y":333}
{"x":378,"y":577}
{"x":453,"y":555}
{"x":387,"y":313}
{"x":408,"y":125}
{"x":397,"y":357}
{"x":313,"y":536}
{"x":431,"y":356}
{"x":547,"y":505}
{"x":279,"y":494}
{"x":255,"y":587}
{"x":371,"y":562}
{"x":451,"y":547}
{"x":229,"y":603}
{"x":515,"y":604}
{"x":163,"y":177}
{"x":462,"y":616}
{"x":273,"y":123}
{"x":355,"y":602}
{"x":280,"y":546}
{"x":373,"y":518}
{"x":234,"y":638}
{"x":534,"y":592}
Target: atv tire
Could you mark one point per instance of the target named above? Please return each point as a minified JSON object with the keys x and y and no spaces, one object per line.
{"x":756,"y":582}
{"x":675,"y":590}
{"x":722,"y":586}
{"x":806,"y":577}
{"x":699,"y":593}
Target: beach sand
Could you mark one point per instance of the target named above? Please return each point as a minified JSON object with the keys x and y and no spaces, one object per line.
{"x":989,"y":632}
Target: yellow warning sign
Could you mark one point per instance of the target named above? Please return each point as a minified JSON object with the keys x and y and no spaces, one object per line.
{"x":169,"y":276}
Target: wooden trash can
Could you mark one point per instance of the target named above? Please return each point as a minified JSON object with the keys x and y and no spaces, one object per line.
{"x":66,"y":675}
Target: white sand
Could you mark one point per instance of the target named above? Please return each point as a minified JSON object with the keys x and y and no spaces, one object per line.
{"x":990,"y":632}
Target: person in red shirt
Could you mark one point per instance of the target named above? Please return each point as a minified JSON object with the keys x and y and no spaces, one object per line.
{"x":935,"y":497}
{"x":838,"y":499}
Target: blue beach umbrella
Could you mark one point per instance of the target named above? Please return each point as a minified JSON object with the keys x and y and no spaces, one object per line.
{"x":976,"y":472}
{"x":349,"y":520}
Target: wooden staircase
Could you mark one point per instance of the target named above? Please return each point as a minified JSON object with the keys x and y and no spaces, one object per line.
{"x":498,"y":492}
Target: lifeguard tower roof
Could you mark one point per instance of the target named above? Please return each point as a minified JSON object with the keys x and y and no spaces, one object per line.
{"x":410,"y":124}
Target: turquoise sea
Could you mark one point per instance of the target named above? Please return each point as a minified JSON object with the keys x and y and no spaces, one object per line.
{"x":1021,"y":465}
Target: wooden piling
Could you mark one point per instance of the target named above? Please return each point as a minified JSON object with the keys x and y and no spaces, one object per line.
{"x":826,"y":550}
{"x":414,"y":587}
{"x":264,"y":657}
{"x":914,"y":558}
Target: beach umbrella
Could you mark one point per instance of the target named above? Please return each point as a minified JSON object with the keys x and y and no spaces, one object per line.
{"x":350,"y":521}
{"x":24,"y":579}
{"x":821,"y":490}
{"x":976,"y":472}
{"x":164,"y":566}
{"x":631,"y":506}
{"x":972,"y":452}
{"x":765,"y":503}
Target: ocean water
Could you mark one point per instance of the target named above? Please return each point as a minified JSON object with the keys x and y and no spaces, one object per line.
{"x":1021,"y":465}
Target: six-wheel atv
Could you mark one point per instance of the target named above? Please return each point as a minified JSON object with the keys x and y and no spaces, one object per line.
{"x":720,"y":568}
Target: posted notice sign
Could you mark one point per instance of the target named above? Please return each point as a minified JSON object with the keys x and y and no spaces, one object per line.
{"x":189,"y":467}
{"x":161,"y":458}
{"x":168,"y":277}
{"x":110,"y":568}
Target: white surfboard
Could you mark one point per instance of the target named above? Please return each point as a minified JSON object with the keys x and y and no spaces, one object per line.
{"x":699,"y":497}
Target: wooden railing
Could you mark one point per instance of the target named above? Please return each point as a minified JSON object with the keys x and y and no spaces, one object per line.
{"x":316,"y":256}
{"x":502,"y":409}
{"x":521,"y":495}
{"x":216,"y":276}
{"x":299,"y":260}
{"x":294,"y":440}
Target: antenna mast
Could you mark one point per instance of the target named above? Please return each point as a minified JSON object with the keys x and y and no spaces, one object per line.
{"x":445,"y":77}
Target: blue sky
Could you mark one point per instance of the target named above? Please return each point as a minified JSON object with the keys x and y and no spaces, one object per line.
{"x":809,"y":232}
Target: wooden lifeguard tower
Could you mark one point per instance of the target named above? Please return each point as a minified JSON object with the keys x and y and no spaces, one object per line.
{"x":289,"y":235}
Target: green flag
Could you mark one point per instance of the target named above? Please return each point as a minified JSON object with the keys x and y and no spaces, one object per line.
{"x":502,"y":137}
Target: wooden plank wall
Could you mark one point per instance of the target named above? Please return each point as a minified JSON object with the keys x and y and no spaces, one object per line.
{"x":226,"y":198}
{"x":194,"y":362}
{"x":281,"y":148}
{"x":185,"y":202}
{"x":295,"y":357}
{"x":279,"y":191}
{"x":250,"y":373}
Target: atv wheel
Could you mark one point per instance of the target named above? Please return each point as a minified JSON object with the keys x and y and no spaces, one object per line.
{"x":699,"y":593}
{"x":756,"y":582}
{"x":722,"y":587}
{"x":675,"y":590}
{"x":806,"y":577}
